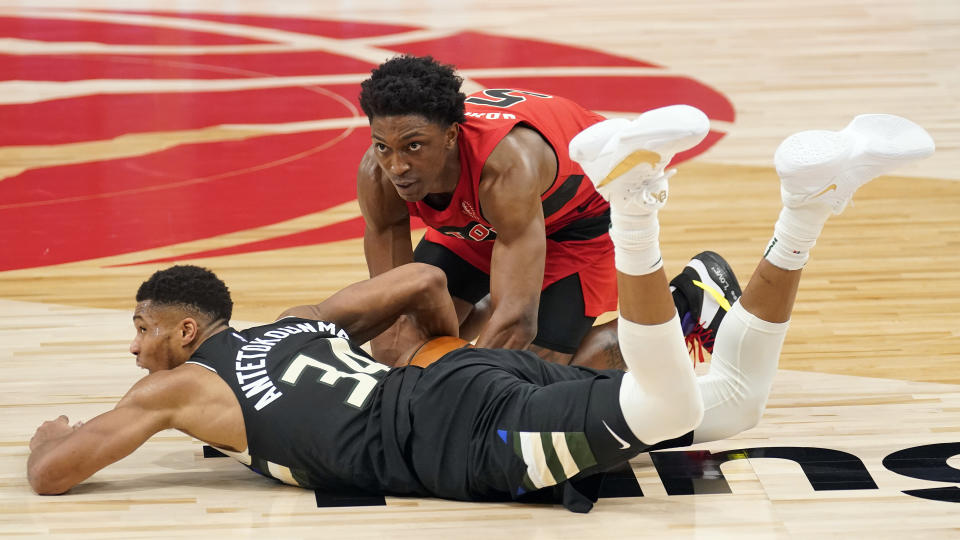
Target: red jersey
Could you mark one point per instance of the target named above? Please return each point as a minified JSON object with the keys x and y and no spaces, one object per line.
{"x":575,"y":215}
{"x":491,"y":115}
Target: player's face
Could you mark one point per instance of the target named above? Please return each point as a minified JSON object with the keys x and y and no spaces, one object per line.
{"x":414,"y":154}
{"x":155,"y":344}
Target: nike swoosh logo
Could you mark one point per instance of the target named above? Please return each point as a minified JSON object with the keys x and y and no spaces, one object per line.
{"x":629,"y":162}
{"x":623,"y":444}
{"x":828,"y":189}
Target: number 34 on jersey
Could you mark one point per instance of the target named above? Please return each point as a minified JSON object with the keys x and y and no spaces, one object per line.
{"x":355,"y":369}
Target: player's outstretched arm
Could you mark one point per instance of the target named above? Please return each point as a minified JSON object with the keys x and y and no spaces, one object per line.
{"x":367,"y":308}
{"x":63,"y":455}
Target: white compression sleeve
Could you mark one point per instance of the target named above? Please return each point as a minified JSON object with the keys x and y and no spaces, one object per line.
{"x":742,"y":368}
{"x":658,"y":395}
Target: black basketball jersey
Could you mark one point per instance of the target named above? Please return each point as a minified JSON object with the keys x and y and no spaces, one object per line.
{"x":312,"y":405}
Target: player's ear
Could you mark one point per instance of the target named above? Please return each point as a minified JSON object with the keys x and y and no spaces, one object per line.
{"x":450,"y":136}
{"x":189,"y":330}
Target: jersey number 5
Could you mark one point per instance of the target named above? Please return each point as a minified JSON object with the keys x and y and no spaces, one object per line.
{"x":362,"y":368}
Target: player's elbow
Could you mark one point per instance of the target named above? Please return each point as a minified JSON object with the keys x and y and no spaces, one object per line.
{"x":429,"y":278}
{"x":429,"y":284}
{"x":45,"y":480}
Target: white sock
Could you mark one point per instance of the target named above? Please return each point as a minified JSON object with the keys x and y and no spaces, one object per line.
{"x":795,"y":234}
{"x":636,"y":242}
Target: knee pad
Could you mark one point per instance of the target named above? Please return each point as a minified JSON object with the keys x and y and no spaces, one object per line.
{"x":659,"y":396}
{"x":744,"y":364}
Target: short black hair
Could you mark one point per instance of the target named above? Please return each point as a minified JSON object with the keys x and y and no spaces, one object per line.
{"x":408,"y":84}
{"x":190,"y":287}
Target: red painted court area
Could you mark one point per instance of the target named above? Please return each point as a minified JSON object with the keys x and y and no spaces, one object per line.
{"x":56,"y":213}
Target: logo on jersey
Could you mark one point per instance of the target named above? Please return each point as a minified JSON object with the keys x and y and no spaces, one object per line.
{"x":477,"y":232}
{"x":468,"y":210}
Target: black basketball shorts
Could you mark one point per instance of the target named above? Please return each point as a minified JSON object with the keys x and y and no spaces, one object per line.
{"x":493,"y":424}
{"x":561,"y":323}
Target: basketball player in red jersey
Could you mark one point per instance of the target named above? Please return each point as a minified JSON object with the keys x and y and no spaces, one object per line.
{"x":511,"y":217}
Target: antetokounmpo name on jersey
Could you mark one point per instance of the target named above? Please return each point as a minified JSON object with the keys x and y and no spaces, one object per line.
{"x":252,"y":359}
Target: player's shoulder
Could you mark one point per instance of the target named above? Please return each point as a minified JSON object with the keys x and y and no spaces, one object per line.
{"x":523,"y":137}
{"x":522,"y":145}
{"x":167,"y":388}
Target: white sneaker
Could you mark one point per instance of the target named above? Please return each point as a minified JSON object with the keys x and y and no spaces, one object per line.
{"x":827,"y":167}
{"x":635,"y":153}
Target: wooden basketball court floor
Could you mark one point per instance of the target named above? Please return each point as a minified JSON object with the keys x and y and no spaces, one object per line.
{"x":862,"y":432}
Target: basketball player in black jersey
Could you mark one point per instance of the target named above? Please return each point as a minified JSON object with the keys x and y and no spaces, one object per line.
{"x":299,"y":401}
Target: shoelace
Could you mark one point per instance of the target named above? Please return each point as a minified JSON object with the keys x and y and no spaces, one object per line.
{"x":698,"y":339}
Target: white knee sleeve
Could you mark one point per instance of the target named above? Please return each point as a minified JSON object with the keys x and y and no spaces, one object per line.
{"x":744,"y":363}
{"x":659,"y":395}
